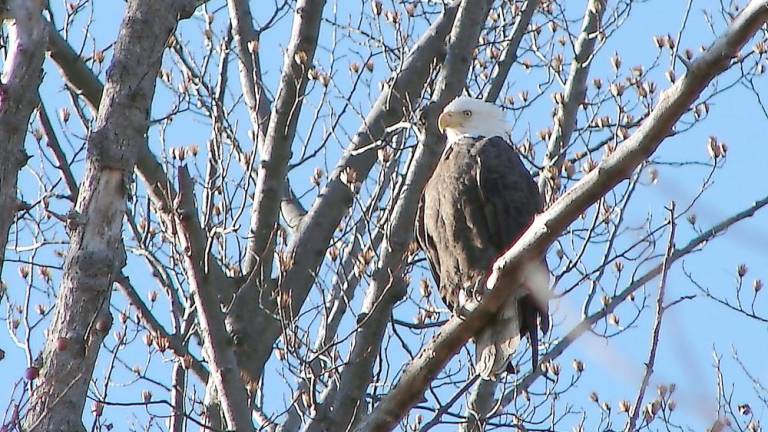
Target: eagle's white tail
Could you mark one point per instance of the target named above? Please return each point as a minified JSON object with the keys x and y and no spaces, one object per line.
{"x":495,"y":344}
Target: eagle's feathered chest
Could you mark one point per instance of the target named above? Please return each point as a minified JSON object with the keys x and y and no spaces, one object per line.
{"x":478,"y":201}
{"x":452,"y":216}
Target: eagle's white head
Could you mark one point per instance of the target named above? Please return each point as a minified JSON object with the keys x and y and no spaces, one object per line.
{"x":466,"y":116}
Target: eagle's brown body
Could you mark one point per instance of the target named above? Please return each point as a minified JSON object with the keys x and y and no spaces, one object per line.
{"x":478,"y":202}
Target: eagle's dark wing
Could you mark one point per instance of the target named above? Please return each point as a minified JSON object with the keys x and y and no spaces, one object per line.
{"x":479,"y":201}
{"x":510,"y":200}
{"x":509,"y":195}
{"x":427,"y":243}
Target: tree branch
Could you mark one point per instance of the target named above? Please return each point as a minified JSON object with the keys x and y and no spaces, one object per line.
{"x":53,"y":143}
{"x":509,"y":270}
{"x":22,"y":74}
{"x":247,"y":41}
{"x":83,"y":81}
{"x":656,"y":332}
{"x":619,"y":298}
{"x":95,"y":254}
{"x":255,"y":94}
{"x":481,"y":402}
{"x":308,"y":245}
{"x":175,"y":342}
{"x":276,"y":149}
{"x":388,"y":287}
{"x":216,"y":347}
{"x":77,"y":75}
{"x":342,"y":293}
{"x":574,"y":94}
{"x":510,"y":51}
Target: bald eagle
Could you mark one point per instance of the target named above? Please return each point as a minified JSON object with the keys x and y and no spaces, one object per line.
{"x":478,"y":202}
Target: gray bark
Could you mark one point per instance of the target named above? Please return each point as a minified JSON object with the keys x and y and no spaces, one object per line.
{"x":95,"y":254}
{"x":217,"y":349}
{"x":308,"y":245}
{"x":247,"y":41}
{"x":275,"y":152}
{"x":22,"y":74}
{"x":255,"y":95}
{"x":275,"y":155}
{"x":574,"y":94}
{"x":83,"y":81}
{"x":388,"y":287}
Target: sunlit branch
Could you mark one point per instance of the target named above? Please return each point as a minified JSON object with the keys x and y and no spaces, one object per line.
{"x":509,"y":270}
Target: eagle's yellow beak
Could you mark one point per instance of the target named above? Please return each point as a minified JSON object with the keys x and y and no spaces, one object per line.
{"x":448,"y":119}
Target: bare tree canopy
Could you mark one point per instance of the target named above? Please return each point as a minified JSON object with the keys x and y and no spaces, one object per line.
{"x":208,"y":209}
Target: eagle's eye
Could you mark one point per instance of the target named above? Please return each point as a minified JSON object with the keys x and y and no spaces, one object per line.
{"x":467,"y":113}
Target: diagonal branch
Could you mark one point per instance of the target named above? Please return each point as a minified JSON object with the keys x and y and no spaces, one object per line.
{"x":342,"y":292}
{"x":252,"y":318}
{"x":276,"y":150}
{"x":53,"y":143}
{"x":175,"y":341}
{"x":621,"y":297}
{"x":574,"y":94}
{"x":388,"y":287}
{"x":216,"y":347}
{"x":656,"y":332}
{"x":510,"y":269}
{"x":510,"y":51}
{"x":77,"y":75}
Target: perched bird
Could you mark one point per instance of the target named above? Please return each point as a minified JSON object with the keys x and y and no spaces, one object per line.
{"x":479,"y":201}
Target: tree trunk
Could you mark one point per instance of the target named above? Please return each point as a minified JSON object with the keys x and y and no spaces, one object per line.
{"x":96,"y":254}
{"x":18,"y":97}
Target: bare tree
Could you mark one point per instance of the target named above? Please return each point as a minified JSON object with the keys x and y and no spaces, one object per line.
{"x":265,"y":242}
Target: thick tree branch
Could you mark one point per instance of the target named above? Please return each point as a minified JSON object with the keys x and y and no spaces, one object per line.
{"x":247,"y":42}
{"x":276,"y":150}
{"x":95,"y":254}
{"x":22,"y":74}
{"x":510,"y":51}
{"x":308,"y":245}
{"x":82,"y":80}
{"x":216,"y":344}
{"x":573,"y":96}
{"x":178,"y":395}
{"x":510,"y":269}
{"x":388,"y":287}
{"x":255,"y":94}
